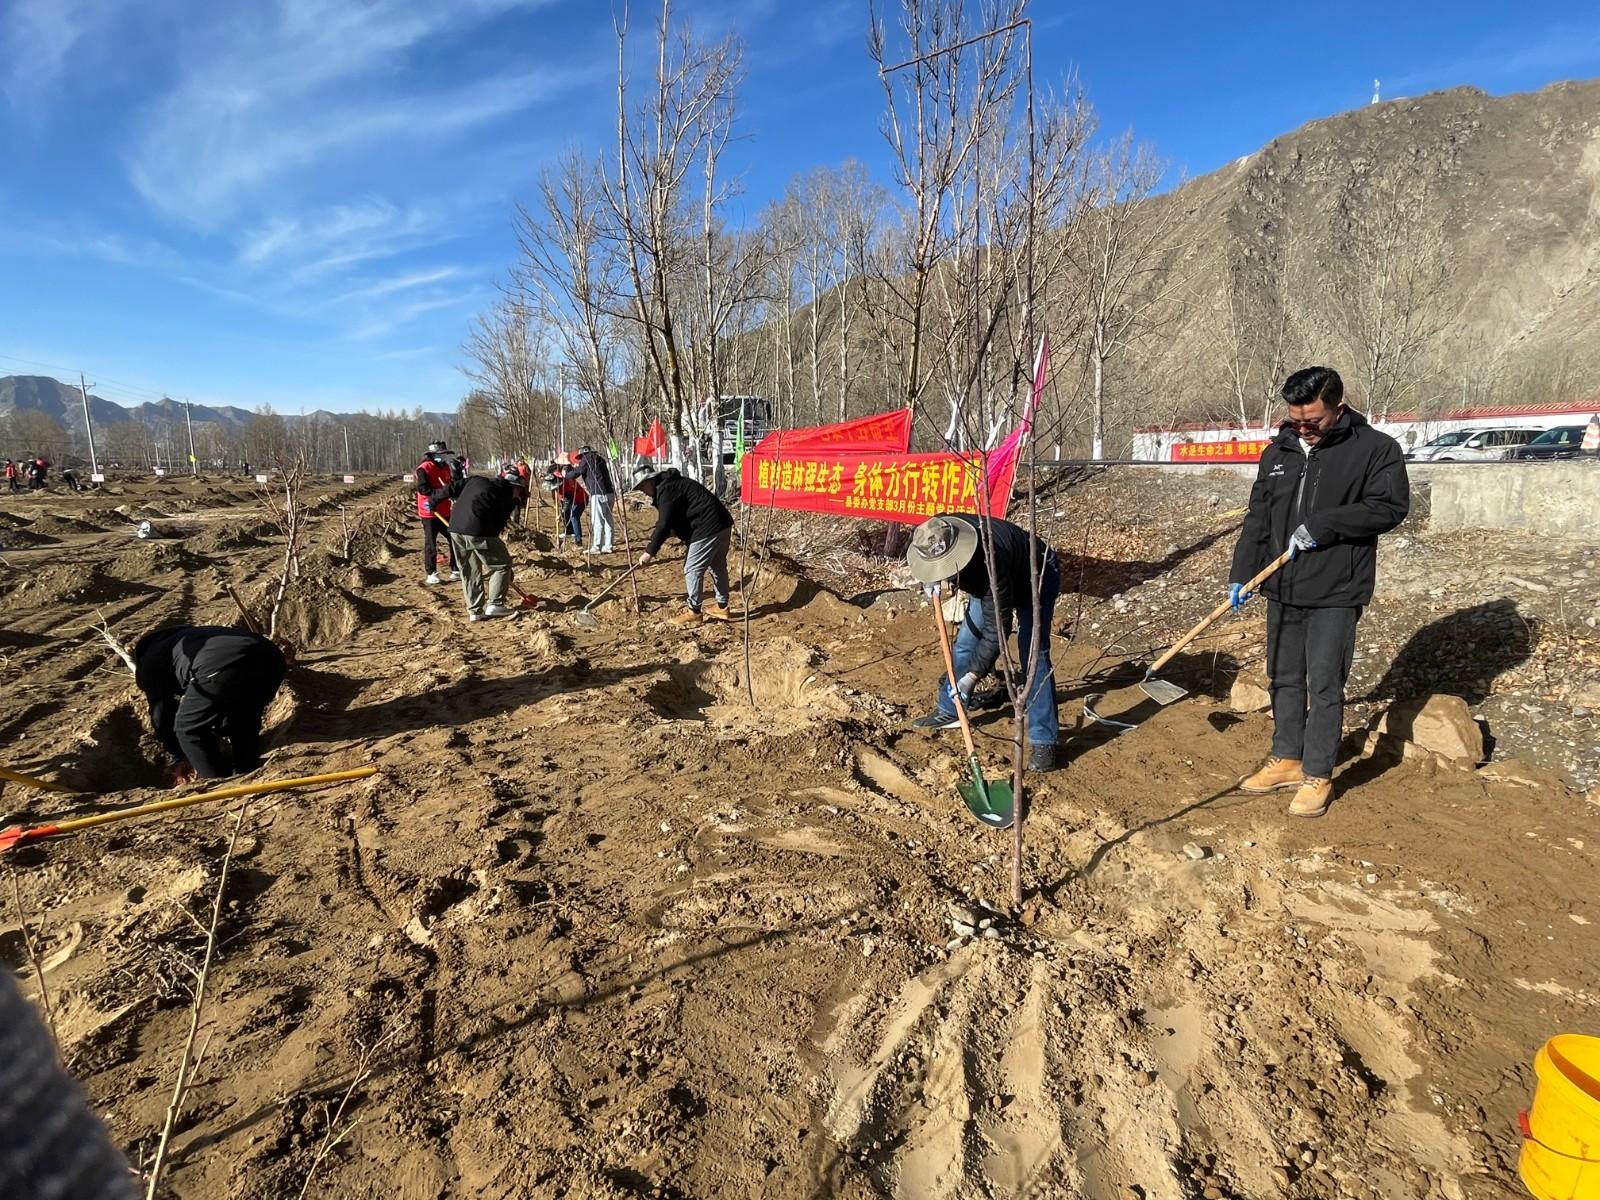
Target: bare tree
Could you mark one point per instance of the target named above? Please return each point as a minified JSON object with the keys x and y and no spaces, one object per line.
{"x":1384,"y":284}
{"x":508,"y":355}
{"x":944,"y":88}
{"x":1254,"y":329}
{"x":570,"y":258}
{"x":659,"y":147}
{"x":1122,"y":248}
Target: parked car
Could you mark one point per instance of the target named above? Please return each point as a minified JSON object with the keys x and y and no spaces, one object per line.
{"x":1429,"y":451}
{"x":1487,"y":445}
{"x":1564,"y":441}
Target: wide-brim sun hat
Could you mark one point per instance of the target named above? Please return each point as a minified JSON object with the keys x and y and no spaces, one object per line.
{"x":939,"y":548}
{"x":644,"y":473}
{"x":439,"y":448}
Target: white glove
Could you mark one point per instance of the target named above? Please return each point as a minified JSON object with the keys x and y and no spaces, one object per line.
{"x":965,"y":684}
{"x":1300,"y":541}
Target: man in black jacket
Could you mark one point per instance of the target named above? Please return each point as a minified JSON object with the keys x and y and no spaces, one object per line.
{"x":1327,"y":486}
{"x":691,"y":513}
{"x":480,"y":509}
{"x":205,"y":683}
{"x":595,"y":474}
{"x":950,"y":548}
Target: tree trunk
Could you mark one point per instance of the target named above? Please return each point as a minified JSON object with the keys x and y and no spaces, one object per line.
{"x":1098,"y":447}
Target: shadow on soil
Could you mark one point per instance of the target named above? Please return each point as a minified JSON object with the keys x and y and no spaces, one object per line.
{"x":1462,"y":654}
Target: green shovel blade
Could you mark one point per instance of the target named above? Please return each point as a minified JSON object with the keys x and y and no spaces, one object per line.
{"x":990,"y":802}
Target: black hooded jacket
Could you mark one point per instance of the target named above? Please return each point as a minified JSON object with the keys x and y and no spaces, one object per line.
{"x":685,"y":510}
{"x":1348,"y":490}
{"x":594,"y":473}
{"x":481,"y":506}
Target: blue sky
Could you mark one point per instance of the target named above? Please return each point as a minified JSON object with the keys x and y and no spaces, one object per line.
{"x":304,"y":202}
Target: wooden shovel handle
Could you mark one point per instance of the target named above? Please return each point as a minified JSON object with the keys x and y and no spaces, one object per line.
{"x":249,"y":621}
{"x":1216,"y":612}
{"x":950,"y":669}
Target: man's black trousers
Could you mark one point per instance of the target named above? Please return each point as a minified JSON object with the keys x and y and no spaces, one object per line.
{"x":1309,"y":651}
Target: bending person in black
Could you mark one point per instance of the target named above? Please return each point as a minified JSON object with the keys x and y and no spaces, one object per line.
{"x":206,"y":683}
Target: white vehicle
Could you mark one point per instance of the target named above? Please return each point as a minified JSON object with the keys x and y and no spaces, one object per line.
{"x":1477,"y":445}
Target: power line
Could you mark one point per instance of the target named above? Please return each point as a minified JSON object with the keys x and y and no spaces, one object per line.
{"x":124,"y":387}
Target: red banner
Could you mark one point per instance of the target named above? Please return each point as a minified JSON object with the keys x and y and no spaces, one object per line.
{"x":860,"y":468}
{"x":890,"y":431}
{"x":880,"y":485}
{"x":1220,"y":452}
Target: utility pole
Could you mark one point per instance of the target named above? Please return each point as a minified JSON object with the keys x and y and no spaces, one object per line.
{"x":349,"y":463}
{"x":88,"y":425}
{"x":194,"y":463}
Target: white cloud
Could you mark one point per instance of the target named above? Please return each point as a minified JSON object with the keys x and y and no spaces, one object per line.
{"x":294,"y":98}
{"x":38,"y":37}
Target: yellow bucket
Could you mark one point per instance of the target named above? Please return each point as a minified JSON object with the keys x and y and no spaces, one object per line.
{"x":1561,"y":1132}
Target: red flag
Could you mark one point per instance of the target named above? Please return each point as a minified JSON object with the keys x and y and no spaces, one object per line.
{"x":653,"y":444}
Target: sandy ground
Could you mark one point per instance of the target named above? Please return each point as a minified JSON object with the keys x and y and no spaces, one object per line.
{"x":602,"y":927}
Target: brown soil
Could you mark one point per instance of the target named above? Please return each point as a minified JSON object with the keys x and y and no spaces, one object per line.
{"x":602,"y":926}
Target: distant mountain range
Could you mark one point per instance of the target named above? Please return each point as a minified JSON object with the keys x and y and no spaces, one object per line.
{"x":63,"y":404}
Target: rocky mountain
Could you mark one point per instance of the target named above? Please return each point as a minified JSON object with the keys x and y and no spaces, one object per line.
{"x":63,"y":404}
{"x":1435,"y":249}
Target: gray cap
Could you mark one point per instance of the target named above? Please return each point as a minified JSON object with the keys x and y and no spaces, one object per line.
{"x":645,"y":472}
{"x":940,"y":547}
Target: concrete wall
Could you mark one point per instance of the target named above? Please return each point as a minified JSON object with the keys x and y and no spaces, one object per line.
{"x":1552,"y":497}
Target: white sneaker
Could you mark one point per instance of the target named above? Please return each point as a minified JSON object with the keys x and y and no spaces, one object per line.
{"x":474,"y":617}
{"x":432,"y":579}
{"x":498,"y":610}
{"x":454,"y":576}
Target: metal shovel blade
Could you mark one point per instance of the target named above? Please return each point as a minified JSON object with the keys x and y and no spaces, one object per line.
{"x":1162,"y":691}
{"x":991,"y":803}
{"x":585,"y":618}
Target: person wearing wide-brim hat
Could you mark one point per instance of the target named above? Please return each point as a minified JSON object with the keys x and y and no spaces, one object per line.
{"x":948,"y":549}
{"x":692,"y":513}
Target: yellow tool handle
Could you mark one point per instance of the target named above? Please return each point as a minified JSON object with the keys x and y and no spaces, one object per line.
{"x":950,"y":670}
{"x":243,"y":789}
{"x":30,"y":781}
{"x":1217,"y":612}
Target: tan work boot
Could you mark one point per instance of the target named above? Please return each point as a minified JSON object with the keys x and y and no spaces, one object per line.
{"x":1312,"y":798}
{"x":717,"y":612}
{"x":1273,"y":774}
{"x":686,"y":618}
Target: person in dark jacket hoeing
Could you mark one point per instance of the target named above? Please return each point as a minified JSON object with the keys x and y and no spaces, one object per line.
{"x":480,"y":509}
{"x":594,"y":473}
{"x":1328,"y":485}
{"x":205,"y":683}
{"x":950,"y":548}
{"x":691,"y":513}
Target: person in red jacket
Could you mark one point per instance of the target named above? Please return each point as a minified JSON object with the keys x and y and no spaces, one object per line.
{"x":573,"y":499}
{"x":434,"y":474}
{"x":11,"y":476}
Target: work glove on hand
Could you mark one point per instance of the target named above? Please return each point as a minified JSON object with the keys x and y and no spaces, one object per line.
{"x":964,"y":686}
{"x":645,"y":560}
{"x":1237,"y":596}
{"x":1300,"y":541}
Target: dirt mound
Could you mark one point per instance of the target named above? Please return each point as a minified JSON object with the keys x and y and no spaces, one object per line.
{"x":144,"y":561}
{"x":218,"y":538}
{"x":20,"y":537}
{"x":57,"y":525}
{"x":314,"y":613}
{"x":789,"y":691}
{"x":71,"y":584}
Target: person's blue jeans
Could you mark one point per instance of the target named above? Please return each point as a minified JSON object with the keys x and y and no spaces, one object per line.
{"x":1044,"y":719}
